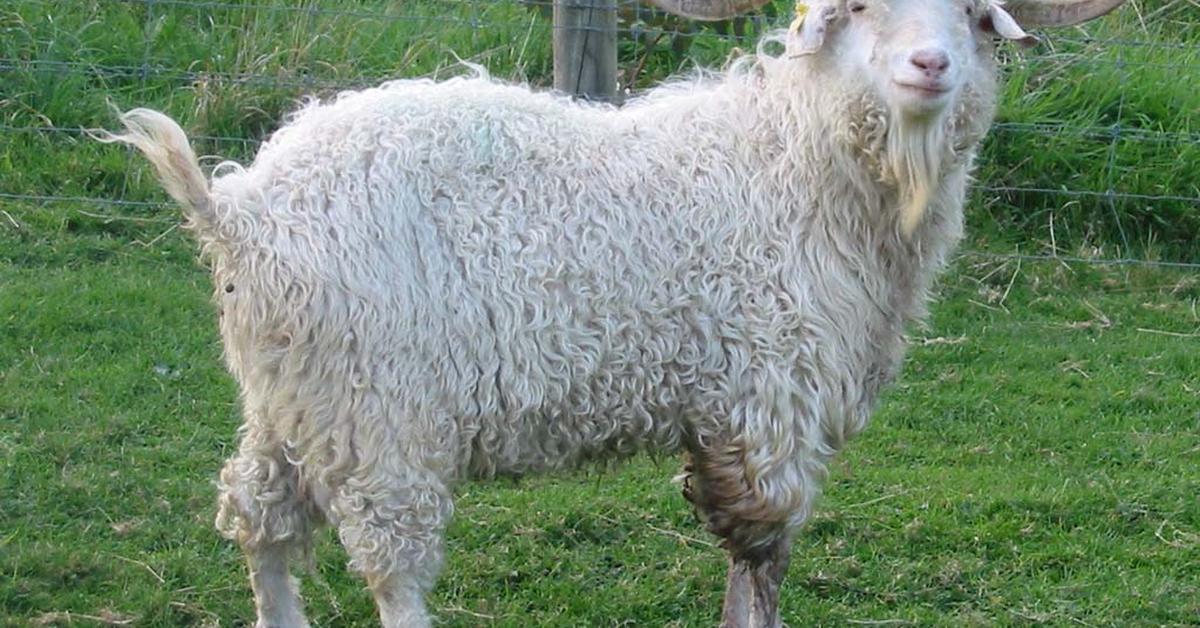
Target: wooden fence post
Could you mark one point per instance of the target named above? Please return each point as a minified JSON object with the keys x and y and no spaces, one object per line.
{"x":585,"y":48}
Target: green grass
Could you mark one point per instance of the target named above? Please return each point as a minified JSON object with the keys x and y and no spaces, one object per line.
{"x":1036,"y":464}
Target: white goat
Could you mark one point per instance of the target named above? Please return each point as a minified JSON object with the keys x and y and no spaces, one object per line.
{"x":425,"y":282}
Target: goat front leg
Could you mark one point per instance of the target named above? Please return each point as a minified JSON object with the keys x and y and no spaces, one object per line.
{"x":754,"y":530}
{"x":752,"y":586}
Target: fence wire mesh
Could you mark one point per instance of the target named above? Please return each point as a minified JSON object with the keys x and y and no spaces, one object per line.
{"x":1094,"y":157}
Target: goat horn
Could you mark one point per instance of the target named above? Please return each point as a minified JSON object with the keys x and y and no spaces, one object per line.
{"x":707,"y":10}
{"x":1030,"y":13}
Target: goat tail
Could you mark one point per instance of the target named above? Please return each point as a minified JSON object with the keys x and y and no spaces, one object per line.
{"x":166,"y":146}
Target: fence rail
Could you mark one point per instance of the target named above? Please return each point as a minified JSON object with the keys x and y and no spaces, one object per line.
{"x":1114,"y":161}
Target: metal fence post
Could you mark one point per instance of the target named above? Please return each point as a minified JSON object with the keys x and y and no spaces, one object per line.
{"x":585,"y":48}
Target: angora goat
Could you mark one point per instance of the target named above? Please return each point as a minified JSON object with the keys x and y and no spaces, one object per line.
{"x":425,"y":282}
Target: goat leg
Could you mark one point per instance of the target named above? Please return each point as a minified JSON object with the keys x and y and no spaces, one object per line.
{"x":752,"y":587}
{"x":739,"y":595}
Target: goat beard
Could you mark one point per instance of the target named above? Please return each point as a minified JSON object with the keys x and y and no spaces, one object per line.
{"x":915,"y":152}
{"x":910,"y":154}
{"x":922,"y":151}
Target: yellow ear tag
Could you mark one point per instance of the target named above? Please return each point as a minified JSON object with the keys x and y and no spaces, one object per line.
{"x":801,"y":11}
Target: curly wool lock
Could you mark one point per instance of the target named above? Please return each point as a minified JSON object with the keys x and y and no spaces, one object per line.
{"x":435,"y":281}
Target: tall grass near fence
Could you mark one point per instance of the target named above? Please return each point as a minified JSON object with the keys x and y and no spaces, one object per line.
{"x":1097,"y":147}
{"x":229,"y":71}
{"x":1098,"y":139}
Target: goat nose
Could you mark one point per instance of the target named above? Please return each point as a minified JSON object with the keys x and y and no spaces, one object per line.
{"x":932,"y":61}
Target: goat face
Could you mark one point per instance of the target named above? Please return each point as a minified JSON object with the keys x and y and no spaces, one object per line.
{"x":923,"y":73}
{"x":917,"y":56}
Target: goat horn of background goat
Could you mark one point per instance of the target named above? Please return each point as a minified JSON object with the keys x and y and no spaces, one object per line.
{"x":1027,"y":12}
{"x":709,"y":10}
{"x":1030,"y":13}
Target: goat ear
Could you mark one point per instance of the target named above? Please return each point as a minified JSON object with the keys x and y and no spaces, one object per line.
{"x":808,"y":29}
{"x":998,"y":21}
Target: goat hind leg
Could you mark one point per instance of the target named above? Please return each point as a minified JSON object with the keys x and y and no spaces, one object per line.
{"x":393,"y":530}
{"x":260,"y":506}
{"x":276,"y":593}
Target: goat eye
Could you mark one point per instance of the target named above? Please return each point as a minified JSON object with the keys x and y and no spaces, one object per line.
{"x":857,"y":7}
{"x":970,"y":10}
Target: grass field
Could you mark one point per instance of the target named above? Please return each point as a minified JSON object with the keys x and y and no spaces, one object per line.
{"x":1038,"y":463}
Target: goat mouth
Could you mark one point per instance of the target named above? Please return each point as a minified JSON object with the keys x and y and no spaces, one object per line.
{"x":926,"y":90}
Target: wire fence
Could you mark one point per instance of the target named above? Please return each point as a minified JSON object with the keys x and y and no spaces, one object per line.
{"x":1096,"y":140}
